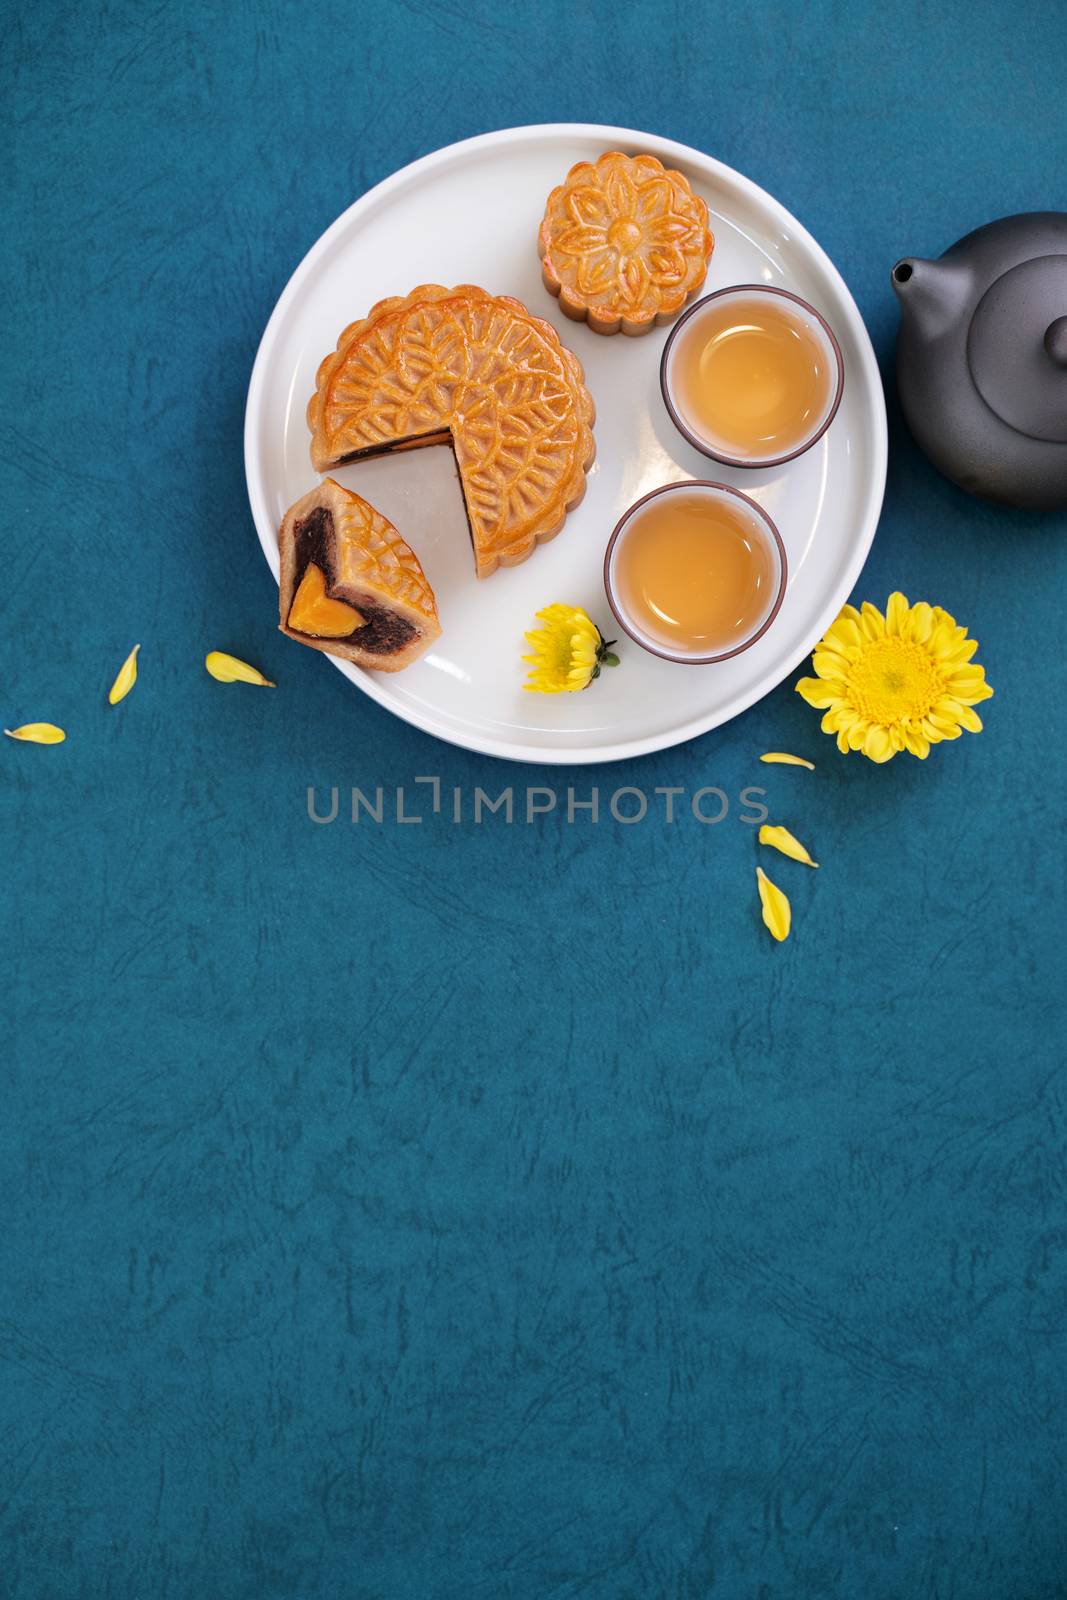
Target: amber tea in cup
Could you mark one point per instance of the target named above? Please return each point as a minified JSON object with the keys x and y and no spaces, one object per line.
{"x":695,"y":572}
{"x":752,"y":375}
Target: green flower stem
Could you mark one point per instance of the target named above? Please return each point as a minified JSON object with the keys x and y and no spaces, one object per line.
{"x":605,"y":657}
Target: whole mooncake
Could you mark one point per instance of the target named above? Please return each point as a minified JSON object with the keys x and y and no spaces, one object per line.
{"x":476,"y":370}
{"x":624,"y":243}
{"x":350,"y":585}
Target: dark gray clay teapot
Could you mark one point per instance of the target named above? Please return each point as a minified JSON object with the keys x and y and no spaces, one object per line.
{"x":982,"y":359}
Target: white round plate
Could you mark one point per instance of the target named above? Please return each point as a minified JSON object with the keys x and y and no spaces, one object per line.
{"x":469,"y":214}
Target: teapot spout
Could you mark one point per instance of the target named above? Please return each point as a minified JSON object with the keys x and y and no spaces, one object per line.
{"x":934,"y":293}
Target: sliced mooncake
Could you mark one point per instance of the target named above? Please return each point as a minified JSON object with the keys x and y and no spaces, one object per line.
{"x":479,"y":371}
{"x":350,"y":585}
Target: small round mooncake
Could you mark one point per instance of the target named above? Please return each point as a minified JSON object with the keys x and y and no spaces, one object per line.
{"x":624,"y":243}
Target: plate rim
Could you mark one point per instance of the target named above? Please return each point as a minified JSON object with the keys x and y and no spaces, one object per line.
{"x":622,"y":750}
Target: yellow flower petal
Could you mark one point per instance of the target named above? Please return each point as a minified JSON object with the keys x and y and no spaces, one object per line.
{"x":961,"y":680}
{"x":959,"y":654}
{"x":916,"y":743}
{"x":877,"y":745}
{"x":971,"y":693}
{"x":955,"y":711}
{"x":941,"y":638}
{"x":829,"y":664}
{"x":776,"y":913}
{"x":922,"y":621}
{"x":782,"y":759}
{"x":819,"y":693}
{"x":228,"y":669}
{"x":846,"y":635}
{"x":896,"y":612}
{"x":781,"y":839}
{"x":37,"y":733}
{"x":873,"y":623}
{"x":946,"y":727}
{"x":127,"y":677}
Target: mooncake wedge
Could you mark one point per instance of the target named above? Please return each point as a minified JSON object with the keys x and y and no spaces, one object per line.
{"x":476,"y":370}
{"x":350,"y":585}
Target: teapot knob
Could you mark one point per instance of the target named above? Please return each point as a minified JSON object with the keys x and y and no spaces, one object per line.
{"x":1056,"y":341}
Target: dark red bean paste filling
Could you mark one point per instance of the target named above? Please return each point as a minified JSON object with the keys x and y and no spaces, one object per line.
{"x":382,"y":632}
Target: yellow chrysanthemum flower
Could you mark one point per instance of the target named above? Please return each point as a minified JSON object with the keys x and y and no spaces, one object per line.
{"x":903,"y":681}
{"x":568,"y":652}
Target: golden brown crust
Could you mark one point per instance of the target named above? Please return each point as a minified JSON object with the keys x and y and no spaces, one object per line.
{"x":478,"y":368}
{"x":366,"y":559}
{"x":624,"y":243}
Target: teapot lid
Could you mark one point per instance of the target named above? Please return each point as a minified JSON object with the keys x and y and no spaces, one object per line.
{"x":1017,"y":348}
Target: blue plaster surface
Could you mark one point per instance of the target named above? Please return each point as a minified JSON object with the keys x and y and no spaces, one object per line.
{"x":465,"y":1211}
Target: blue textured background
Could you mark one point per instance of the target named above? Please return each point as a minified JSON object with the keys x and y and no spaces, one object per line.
{"x":488,"y":1212}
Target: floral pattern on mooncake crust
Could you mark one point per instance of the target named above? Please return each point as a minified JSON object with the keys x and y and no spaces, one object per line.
{"x":624,"y":243}
{"x":478,"y":370}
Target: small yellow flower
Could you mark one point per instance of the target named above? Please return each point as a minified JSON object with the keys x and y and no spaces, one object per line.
{"x":568,"y":652}
{"x":903,"y":681}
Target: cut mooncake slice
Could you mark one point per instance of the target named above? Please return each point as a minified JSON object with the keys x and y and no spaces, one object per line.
{"x":350,"y":585}
{"x":476,"y":370}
